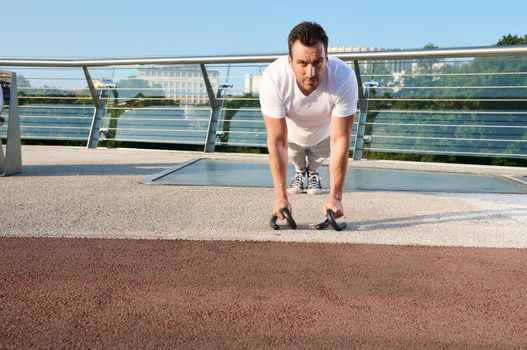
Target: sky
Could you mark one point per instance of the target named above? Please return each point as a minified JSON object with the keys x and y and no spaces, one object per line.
{"x":115,"y":28}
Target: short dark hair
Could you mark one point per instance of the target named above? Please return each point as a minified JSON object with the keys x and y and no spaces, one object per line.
{"x":309,"y":34}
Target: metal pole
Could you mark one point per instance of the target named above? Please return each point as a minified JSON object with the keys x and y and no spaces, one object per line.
{"x":93,"y":138}
{"x":364,"y":94}
{"x":12,"y":163}
{"x":210,"y":142}
{"x":487,"y":51}
{"x":362,"y":101}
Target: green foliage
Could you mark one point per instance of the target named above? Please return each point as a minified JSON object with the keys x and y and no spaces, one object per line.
{"x":431,"y":46}
{"x":512,"y":40}
{"x":22,"y":82}
{"x":133,"y":85}
{"x":61,"y":98}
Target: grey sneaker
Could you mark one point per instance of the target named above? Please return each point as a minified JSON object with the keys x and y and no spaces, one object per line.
{"x":297,"y":183}
{"x":313,"y":184}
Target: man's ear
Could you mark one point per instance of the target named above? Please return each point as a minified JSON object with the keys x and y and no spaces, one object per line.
{"x":290,"y":60}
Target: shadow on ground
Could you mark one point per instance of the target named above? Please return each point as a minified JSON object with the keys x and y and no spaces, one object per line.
{"x":439,"y":218}
{"x":95,"y":169}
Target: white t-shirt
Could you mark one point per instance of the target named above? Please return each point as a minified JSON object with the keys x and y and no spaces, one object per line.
{"x":308,"y":118}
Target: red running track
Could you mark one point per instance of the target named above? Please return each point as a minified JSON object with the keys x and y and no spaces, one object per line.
{"x":97,"y":293}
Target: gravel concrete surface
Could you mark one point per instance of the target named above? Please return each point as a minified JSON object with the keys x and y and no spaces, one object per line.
{"x":74,"y":192}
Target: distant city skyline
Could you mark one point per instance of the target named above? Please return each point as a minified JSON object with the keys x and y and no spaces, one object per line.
{"x":73,"y":29}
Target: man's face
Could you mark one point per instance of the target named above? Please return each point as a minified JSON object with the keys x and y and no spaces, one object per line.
{"x":309,"y":65}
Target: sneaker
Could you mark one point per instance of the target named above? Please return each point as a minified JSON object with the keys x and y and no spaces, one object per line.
{"x":297,"y":183}
{"x":313,"y":184}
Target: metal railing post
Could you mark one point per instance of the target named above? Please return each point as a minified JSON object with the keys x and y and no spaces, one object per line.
{"x":364,"y":94}
{"x":210,"y":142}
{"x":93,"y":138}
{"x":12,"y":162}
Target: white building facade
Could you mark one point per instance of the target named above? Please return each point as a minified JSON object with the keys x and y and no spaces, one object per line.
{"x":180,"y":82}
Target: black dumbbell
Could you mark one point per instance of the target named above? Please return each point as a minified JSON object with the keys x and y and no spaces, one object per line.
{"x":289,"y":218}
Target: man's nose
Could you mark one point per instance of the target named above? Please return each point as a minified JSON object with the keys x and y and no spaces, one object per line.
{"x":310,"y":70}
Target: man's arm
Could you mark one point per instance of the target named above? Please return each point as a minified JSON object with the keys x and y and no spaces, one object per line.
{"x":277,"y":145}
{"x":338,"y":162}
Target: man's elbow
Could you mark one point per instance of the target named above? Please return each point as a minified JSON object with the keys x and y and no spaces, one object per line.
{"x":278,"y":140}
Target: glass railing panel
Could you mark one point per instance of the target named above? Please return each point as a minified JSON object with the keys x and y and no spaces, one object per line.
{"x":465,"y":107}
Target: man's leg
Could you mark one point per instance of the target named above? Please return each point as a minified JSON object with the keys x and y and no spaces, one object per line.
{"x":316,"y":155}
{"x":297,"y":155}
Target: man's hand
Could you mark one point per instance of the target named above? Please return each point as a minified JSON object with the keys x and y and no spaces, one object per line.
{"x":336,"y":206}
{"x":279,"y":205}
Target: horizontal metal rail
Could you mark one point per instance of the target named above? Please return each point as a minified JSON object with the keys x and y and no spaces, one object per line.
{"x":242,"y":121}
{"x":488,"y":51}
{"x":67,"y":138}
{"x":452,"y":87}
{"x":167,"y":108}
{"x":439,"y":74}
{"x":451,"y":99}
{"x":54,"y":98}
{"x":171,"y":140}
{"x":455,"y":125}
{"x":245,"y":132}
{"x":57,"y":107}
{"x":54,"y":127}
{"x":445,"y":138}
{"x":158,"y":119}
{"x":426,"y":111}
{"x":397,"y":150}
{"x":242,"y":144}
{"x":52,"y":116}
{"x":160,"y":130}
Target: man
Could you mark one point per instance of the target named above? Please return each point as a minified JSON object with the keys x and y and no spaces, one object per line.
{"x":308,"y":101}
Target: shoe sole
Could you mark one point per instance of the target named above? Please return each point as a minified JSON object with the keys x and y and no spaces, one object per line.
{"x":294,"y":191}
{"x":314,"y":191}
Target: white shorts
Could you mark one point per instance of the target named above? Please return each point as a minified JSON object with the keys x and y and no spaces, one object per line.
{"x":309,"y":157}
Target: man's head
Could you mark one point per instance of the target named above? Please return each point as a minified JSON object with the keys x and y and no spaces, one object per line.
{"x":309,"y":34}
{"x":308,"y":45}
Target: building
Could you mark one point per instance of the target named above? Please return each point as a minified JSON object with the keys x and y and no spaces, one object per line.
{"x":252,"y":83}
{"x":180,"y":82}
{"x":392,"y":66}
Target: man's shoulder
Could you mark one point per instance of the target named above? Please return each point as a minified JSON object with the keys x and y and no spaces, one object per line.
{"x":277,"y":67}
{"x":338,"y":67}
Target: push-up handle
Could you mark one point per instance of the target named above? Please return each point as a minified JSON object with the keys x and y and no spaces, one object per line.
{"x":289,"y":218}
{"x":331,"y":221}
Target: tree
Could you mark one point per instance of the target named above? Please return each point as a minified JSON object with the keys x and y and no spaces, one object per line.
{"x":135,"y":85}
{"x":431,"y":46}
{"x":22,"y":82}
{"x":512,"y":40}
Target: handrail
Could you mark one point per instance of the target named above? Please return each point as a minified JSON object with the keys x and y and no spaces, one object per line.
{"x":487,"y":51}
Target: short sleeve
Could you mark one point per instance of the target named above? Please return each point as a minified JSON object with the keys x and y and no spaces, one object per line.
{"x":270,"y":101}
{"x":347,"y":98}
